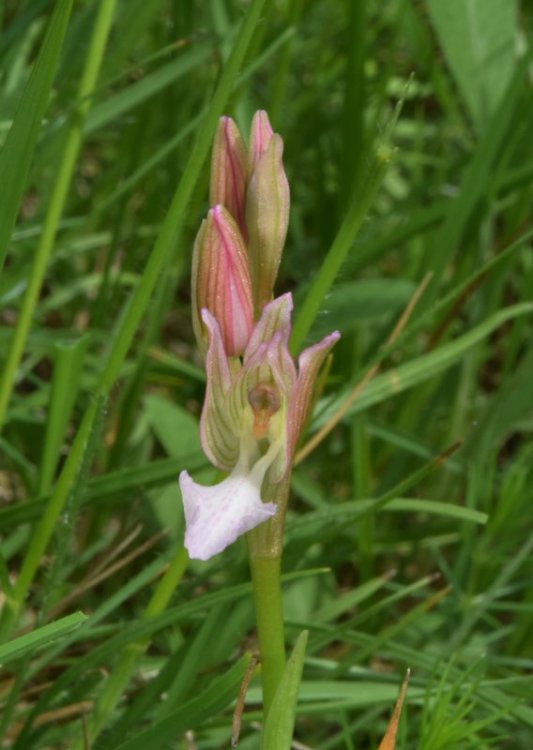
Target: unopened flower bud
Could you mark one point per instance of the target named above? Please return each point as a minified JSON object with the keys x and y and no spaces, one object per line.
{"x":260,"y":135}
{"x":221,"y":281}
{"x":229,"y":172}
{"x":267,"y":218}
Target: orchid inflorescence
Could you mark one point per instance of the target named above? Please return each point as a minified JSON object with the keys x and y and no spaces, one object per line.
{"x":257,"y":399}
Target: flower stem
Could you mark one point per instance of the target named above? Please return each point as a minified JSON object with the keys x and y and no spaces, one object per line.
{"x":266,"y":580}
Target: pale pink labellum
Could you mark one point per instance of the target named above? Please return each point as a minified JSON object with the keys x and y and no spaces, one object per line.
{"x":216,"y":516}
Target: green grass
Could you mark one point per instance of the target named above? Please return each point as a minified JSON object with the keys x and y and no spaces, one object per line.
{"x":408,"y":150}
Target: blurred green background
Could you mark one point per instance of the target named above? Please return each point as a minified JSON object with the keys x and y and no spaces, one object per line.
{"x":407,"y":128}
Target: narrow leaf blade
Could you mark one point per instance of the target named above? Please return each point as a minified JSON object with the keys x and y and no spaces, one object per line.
{"x":16,"y":155}
{"x":277,"y":733}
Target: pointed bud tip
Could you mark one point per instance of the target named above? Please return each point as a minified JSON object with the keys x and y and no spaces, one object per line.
{"x":261,"y":122}
{"x":217,"y":211}
{"x":229,"y":171}
{"x":261,"y":134}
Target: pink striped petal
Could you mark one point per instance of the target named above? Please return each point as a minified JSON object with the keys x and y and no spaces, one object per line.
{"x":260,"y":134}
{"x":229,"y":172}
{"x":219,"y":424}
{"x":221,"y":281}
{"x":309,"y":363}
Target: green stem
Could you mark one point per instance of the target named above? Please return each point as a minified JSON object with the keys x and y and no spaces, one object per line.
{"x":266,"y":580}
{"x":265,"y":546}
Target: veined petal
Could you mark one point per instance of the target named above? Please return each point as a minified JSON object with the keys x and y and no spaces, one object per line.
{"x":216,"y":365}
{"x":220,"y":424}
{"x":281,"y":363}
{"x":221,"y":280}
{"x":275,"y":317}
{"x":309,"y":363}
{"x":216,"y":516}
{"x":229,"y":172}
{"x":267,"y":219}
{"x":260,"y":134}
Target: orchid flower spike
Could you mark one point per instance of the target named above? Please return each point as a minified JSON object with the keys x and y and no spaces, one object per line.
{"x":257,"y":398}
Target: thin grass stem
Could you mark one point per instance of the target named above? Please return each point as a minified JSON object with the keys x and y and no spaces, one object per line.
{"x":58,"y":198}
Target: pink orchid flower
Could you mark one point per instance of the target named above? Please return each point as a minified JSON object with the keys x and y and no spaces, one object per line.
{"x":253,"y":413}
{"x":257,"y":399}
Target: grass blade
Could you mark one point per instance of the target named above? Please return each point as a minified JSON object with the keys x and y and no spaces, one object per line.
{"x":277,"y":732}
{"x":19,"y":145}
{"x":40,"y":637}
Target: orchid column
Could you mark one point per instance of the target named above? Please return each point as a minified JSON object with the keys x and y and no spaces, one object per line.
{"x":257,"y":398}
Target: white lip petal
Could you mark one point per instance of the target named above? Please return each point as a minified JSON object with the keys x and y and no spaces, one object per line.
{"x":216,"y":516}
